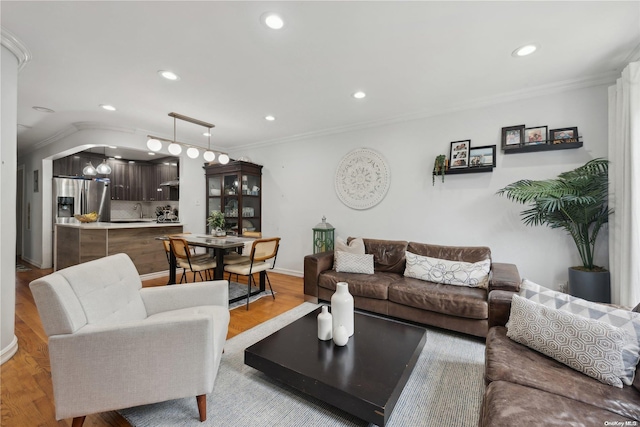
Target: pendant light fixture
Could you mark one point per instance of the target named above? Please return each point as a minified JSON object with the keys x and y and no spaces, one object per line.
{"x":104,"y":168}
{"x":154,"y":143}
{"x":89,"y":170}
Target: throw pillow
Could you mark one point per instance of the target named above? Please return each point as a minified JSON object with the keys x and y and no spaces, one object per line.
{"x":586,"y":345}
{"x":628,"y":321}
{"x":355,"y":246}
{"x":354,"y":263}
{"x":459,"y":273}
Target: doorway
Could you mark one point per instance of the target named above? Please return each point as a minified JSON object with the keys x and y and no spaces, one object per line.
{"x":19,"y":203}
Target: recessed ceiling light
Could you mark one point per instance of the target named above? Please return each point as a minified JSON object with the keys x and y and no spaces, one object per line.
{"x":269,"y":118}
{"x":108,"y":107}
{"x":131,"y":161}
{"x":169,"y":75}
{"x":272,"y":20}
{"x":43,"y":109}
{"x":151,"y":153}
{"x":524,"y":50}
{"x":112,"y":146}
{"x":359,"y":95}
{"x":206,"y":134}
{"x":117,"y":157}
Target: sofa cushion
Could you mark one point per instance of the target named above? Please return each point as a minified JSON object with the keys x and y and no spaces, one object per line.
{"x":360,"y":285}
{"x":506,"y":360}
{"x":624,"y":319}
{"x":452,"y":253}
{"x":452,"y":300}
{"x":507,"y":405}
{"x":388,"y":255}
{"x":458,"y":273}
{"x":347,"y":262}
{"x":589,"y":346}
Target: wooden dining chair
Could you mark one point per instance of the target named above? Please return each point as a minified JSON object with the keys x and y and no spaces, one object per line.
{"x":262,"y":250}
{"x":195,"y":263}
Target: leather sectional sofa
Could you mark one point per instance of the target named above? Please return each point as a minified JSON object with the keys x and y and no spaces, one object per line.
{"x":389,"y":292}
{"x":527,"y":388}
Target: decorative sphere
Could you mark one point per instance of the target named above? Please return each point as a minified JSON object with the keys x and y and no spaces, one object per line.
{"x":340,"y":336}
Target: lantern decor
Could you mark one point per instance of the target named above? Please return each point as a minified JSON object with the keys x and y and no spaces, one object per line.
{"x":323,"y":237}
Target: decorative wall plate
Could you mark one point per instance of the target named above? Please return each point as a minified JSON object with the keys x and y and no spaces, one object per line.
{"x":362,"y":179}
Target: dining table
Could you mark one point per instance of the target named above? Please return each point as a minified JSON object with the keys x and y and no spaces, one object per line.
{"x":219,"y":245}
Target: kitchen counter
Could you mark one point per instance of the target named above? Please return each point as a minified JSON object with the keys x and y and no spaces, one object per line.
{"x":119,"y":224}
{"x":81,"y":242}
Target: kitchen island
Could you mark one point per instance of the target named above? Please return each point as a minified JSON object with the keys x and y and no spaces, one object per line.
{"x":76,"y":243}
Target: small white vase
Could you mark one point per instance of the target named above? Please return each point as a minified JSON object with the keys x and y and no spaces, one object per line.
{"x":340,"y":336}
{"x":325,"y":324}
{"x":342,"y":308}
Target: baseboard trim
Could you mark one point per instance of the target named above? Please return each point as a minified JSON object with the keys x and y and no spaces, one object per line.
{"x":288,"y":272}
{"x":155,"y":275}
{"x":8,"y":352}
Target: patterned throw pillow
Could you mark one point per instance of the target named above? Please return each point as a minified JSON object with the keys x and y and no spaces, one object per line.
{"x":628,"y":321}
{"x":355,"y":246}
{"x":354,"y":263}
{"x":459,"y":273}
{"x":586,"y":345}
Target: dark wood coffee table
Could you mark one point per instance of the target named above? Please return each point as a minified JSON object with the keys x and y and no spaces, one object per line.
{"x":364,"y":378}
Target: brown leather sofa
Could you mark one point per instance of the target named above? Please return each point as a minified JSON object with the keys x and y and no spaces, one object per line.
{"x":527,"y":388}
{"x":388,"y":292}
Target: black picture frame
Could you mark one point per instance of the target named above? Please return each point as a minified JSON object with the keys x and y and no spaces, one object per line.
{"x":512,"y":137}
{"x":563,"y":135}
{"x":459,"y":154}
{"x":535,"y":135}
{"x":482,"y":156}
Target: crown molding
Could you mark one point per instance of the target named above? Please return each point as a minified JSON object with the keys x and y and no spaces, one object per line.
{"x":15,"y":46}
{"x":634,"y":56}
{"x":543,"y":90}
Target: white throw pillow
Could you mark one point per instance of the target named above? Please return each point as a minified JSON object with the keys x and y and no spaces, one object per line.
{"x":355,"y":246}
{"x":586,"y":345}
{"x":626,"y":320}
{"x":459,"y":273}
{"x":354,"y":263}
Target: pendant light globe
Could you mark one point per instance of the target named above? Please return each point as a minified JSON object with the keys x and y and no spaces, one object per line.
{"x":154,"y":144}
{"x":89,"y":170}
{"x":104,"y":168}
{"x":174,"y":149}
{"x":209,"y":156}
{"x":193,"y":153}
{"x":223,"y":159}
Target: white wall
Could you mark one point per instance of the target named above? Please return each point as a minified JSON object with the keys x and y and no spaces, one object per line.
{"x":8,"y":170}
{"x":38,"y":233}
{"x":298,"y":184}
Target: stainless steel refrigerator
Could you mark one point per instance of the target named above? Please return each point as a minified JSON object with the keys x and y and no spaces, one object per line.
{"x":77,"y":195}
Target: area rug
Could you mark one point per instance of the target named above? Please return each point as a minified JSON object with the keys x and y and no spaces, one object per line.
{"x":239,"y":290}
{"x":445,"y":389}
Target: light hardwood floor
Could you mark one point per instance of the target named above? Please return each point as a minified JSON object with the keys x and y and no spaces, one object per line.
{"x":25,"y":380}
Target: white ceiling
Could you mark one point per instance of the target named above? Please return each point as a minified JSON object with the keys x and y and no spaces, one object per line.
{"x":411,"y":58}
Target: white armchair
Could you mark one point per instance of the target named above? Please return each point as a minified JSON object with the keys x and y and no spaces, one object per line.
{"x":114,"y":345}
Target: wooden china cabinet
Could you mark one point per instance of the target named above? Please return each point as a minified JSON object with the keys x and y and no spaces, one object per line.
{"x":236,"y":190}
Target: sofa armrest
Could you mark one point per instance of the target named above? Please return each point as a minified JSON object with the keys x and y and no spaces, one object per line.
{"x":504,"y":277}
{"x":159,"y":299}
{"x":313,"y":266}
{"x":499,"y":307}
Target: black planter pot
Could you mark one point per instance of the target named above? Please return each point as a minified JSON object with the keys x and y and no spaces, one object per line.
{"x":590,"y":285}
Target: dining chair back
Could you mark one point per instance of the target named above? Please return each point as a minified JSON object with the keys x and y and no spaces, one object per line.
{"x":262,"y":250}
{"x":186,"y":259}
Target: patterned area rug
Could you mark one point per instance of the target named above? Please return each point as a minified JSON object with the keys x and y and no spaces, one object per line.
{"x":22,"y":268}
{"x":239,"y":290}
{"x":445,"y":389}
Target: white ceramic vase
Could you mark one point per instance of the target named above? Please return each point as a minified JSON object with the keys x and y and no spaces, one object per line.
{"x":342,"y":308}
{"x":325,"y":324}
{"x":340,"y":337}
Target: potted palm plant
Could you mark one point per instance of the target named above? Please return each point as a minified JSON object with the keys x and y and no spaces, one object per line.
{"x":576,"y":202}
{"x":216,"y":222}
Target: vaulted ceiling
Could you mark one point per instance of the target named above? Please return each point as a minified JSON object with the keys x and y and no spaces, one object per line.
{"x":412,"y":59}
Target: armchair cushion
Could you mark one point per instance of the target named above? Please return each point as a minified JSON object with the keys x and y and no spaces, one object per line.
{"x":164,"y":298}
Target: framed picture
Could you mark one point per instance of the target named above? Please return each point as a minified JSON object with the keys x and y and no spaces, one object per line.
{"x":459,"y":157}
{"x":512,"y":137}
{"x":564,"y":135}
{"x":35,"y":181}
{"x":482,"y":156}
{"x":535,"y":136}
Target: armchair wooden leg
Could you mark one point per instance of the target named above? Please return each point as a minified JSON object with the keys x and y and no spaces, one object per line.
{"x":202,"y":406}
{"x":77,"y":422}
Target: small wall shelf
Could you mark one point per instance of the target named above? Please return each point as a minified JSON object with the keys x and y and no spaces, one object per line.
{"x":542,"y":147}
{"x":459,"y":171}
